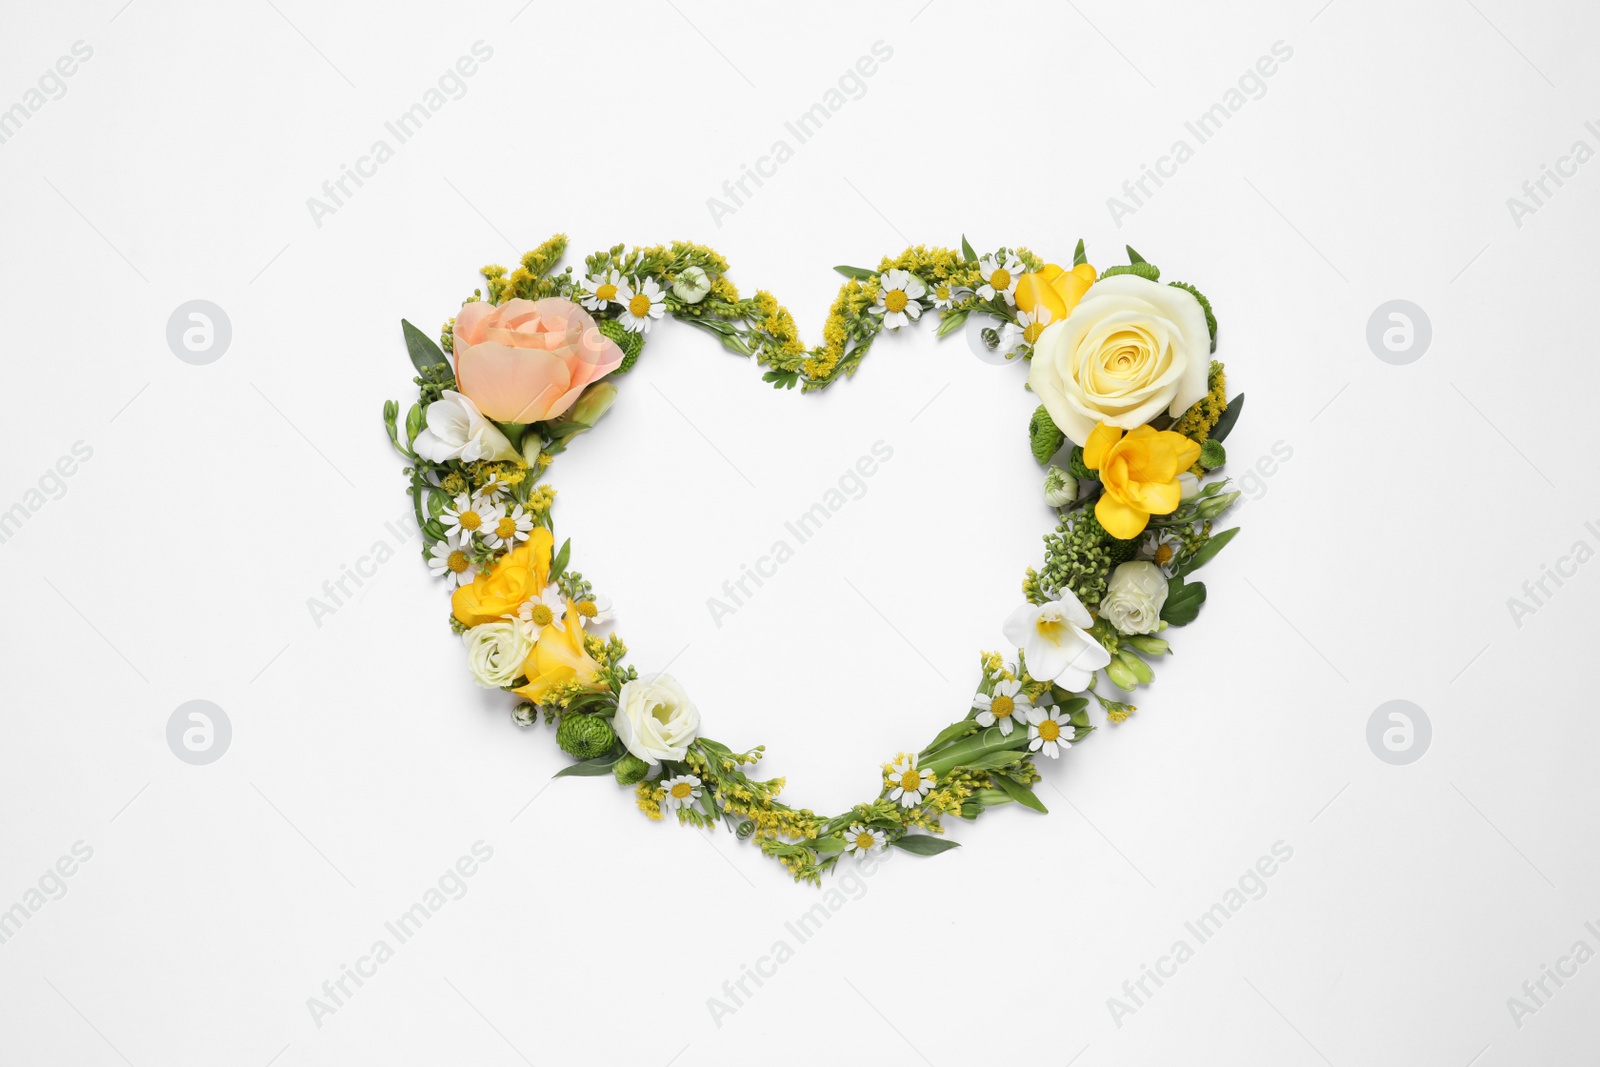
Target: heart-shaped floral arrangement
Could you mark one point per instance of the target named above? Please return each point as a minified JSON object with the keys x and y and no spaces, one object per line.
{"x":1133,"y":409}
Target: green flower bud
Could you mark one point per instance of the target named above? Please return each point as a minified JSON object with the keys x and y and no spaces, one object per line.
{"x":1121,"y":676}
{"x":1216,"y":505}
{"x":1153,"y":646}
{"x":1060,"y":488}
{"x":524,"y":714}
{"x":1141,"y":670}
{"x":1076,"y":468}
{"x":584,"y":736}
{"x":1044,"y":435}
{"x":595,"y":402}
{"x":626,"y":339}
{"x":630,"y":769}
{"x":691,"y":286}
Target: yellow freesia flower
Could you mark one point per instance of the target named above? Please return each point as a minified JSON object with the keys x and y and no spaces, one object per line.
{"x":1140,"y":474}
{"x":1055,"y":290}
{"x":519,"y":576}
{"x":557,"y":657}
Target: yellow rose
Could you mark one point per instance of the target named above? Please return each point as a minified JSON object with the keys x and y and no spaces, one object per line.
{"x":520,"y":576}
{"x":557,"y":657}
{"x":1055,"y":290}
{"x":1140,"y":474}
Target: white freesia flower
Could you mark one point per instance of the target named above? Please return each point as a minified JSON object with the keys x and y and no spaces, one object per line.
{"x":457,"y":430}
{"x":1054,"y":639}
{"x":496,"y":652}
{"x":655,"y":718}
{"x":1130,"y":350}
{"x":1134,"y":597}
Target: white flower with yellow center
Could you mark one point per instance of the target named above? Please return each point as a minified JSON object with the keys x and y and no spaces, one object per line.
{"x":909,"y":785}
{"x":1000,"y":275}
{"x":447,"y":561}
{"x":641,"y":302}
{"x":681,"y":792}
{"x":1033,"y":322}
{"x":595,"y":611}
{"x":1005,"y":707}
{"x":945,"y":294}
{"x":1050,"y":733}
{"x":1162,"y":548}
{"x":1055,"y":642}
{"x":549,"y":608}
{"x":466,"y":516}
{"x":899,"y":298}
{"x":604,"y":290}
{"x":509,"y":527}
{"x":863,"y":839}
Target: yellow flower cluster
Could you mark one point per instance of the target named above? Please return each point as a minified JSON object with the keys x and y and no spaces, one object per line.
{"x":527,"y":281}
{"x":944,"y":799}
{"x":1196,"y":423}
{"x":648,"y":796}
{"x":541,"y":498}
{"x":504,"y":472}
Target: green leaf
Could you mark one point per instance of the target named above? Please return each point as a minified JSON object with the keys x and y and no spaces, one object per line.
{"x":950,"y":323}
{"x":566,"y":426}
{"x":589,"y":768}
{"x":1133,"y":257}
{"x":860,"y":274}
{"x":1230,"y":415}
{"x":991,"y":760}
{"x":1079,"y":256}
{"x":925,"y":844}
{"x":558,"y":566}
{"x":422,"y":349}
{"x":1213,"y":545}
{"x":951,"y":733}
{"x":1019,"y":792}
{"x":826,"y":844}
{"x":1183,"y":601}
{"x":781,"y":379}
{"x":966,"y":251}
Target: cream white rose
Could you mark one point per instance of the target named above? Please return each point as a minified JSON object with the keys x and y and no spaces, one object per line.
{"x":457,"y":430}
{"x":655,"y":718}
{"x":1134,"y":598}
{"x":1130,"y":349}
{"x":496,"y":652}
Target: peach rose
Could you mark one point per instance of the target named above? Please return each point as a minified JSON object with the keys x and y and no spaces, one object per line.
{"x":527,"y":360}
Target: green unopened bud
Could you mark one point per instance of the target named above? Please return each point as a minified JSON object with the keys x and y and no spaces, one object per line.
{"x":1060,"y":488}
{"x":991,"y":338}
{"x":1140,"y":669}
{"x":1153,"y":646}
{"x":524,"y":714}
{"x":413,"y":423}
{"x":630,"y":769}
{"x":691,"y":286}
{"x":1216,"y":505}
{"x":1121,"y":676}
{"x":595,"y":402}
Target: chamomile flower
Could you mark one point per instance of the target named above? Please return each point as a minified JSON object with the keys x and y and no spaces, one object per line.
{"x":595,"y":611}
{"x":1000,"y":274}
{"x":863,"y":839}
{"x":604,"y":290}
{"x":641,"y":301}
{"x":1033,"y":323}
{"x":512,"y":525}
{"x":945,"y":294}
{"x":682,"y":791}
{"x":899,"y":296}
{"x":494,"y":490}
{"x":1162,"y":548}
{"x":447,"y":561}
{"x":465,"y":516}
{"x":1049,"y":733}
{"x":910,"y":785}
{"x":549,"y":608}
{"x":1005,"y":707}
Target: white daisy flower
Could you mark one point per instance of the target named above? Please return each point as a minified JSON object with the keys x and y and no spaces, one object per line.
{"x":509,"y":527}
{"x":605,"y":289}
{"x":864,"y":839}
{"x":1049,"y":732}
{"x":595,"y":611}
{"x":1006,"y":706}
{"x":465,"y":516}
{"x":945,"y":294}
{"x":549,"y":608}
{"x":641,"y":302}
{"x":1033,"y":323}
{"x":1000,"y":276}
{"x":899,"y":293}
{"x":910,"y":785}
{"x":1162,"y":548}
{"x":494,"y":490}
{"x":447,"y":561}
{"x":682,"y":791}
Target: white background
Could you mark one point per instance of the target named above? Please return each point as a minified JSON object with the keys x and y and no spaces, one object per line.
{"x":1375,"y":564}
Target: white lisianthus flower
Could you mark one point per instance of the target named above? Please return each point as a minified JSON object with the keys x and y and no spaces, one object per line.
{"x":692,"y":286}
{"x":1131,"y":349}
{"x":1055,"y":641}
{"x":1060,"y":488}
{"x":1134,"y":597}
{"x":457,"y":430}
{"x":655,"y":718}
{"x":496,"y":652}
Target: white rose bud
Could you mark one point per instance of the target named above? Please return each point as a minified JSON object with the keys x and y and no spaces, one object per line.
{"x":1134,"y":598}
{"x":496,"y":652}
{"x":691,"y":286}
{"x":1060,"y":488}
{"x":655,"y":718}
